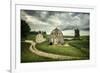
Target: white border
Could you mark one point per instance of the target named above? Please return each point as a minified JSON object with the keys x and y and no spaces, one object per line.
{"x":17,"y":66}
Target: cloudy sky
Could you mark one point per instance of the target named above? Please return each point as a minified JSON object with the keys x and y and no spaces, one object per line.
{"x":49,"y":20}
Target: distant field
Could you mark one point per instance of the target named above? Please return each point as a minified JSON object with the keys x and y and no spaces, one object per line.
{"x":32,"y":37}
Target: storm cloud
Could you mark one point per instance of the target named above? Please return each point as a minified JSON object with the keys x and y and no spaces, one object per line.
{"x":48,"y":20}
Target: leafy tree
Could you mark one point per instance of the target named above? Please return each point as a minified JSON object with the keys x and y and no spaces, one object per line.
{"x":25,"y":29}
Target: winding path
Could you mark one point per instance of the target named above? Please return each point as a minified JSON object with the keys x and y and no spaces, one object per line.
{"x":34,"y":50}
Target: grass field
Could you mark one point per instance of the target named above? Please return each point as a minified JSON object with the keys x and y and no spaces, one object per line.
{"x":82,"y":44}
{"x":28,"y":56}
{"x":76,"y":48}
{"x":62,"y":50}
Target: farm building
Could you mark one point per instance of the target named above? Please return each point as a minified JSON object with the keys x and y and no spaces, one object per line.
{"x":40,"y":38}
{"x":56,"y":37}
{"x":77,"y":34}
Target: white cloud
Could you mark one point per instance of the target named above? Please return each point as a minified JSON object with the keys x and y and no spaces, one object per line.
{"x":54,"y":20}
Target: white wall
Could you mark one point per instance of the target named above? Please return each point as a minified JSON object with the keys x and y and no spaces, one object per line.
{"x":5,"y":35}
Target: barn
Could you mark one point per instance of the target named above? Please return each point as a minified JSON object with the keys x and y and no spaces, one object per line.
{"x":56,"y":37}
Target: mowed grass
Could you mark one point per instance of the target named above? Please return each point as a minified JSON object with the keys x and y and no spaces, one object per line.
{"x":62,"y":50}
{"x":28,"y":56}
{"x":76,"y":48}
{"x":82,"y":44}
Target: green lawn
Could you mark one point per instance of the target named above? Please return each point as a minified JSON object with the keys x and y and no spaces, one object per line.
{"x":76,"y":48}
{"x":63,"y":50}
{"x":79,"y":43}
{"x":28,"y":56}
{"x":82,"y":44}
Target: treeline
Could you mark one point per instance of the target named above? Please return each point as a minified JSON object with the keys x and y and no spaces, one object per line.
{"x":25,"y":30}
{"x":36,"y":32}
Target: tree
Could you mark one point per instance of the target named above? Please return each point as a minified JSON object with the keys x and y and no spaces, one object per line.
{"x":25,"y":29}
